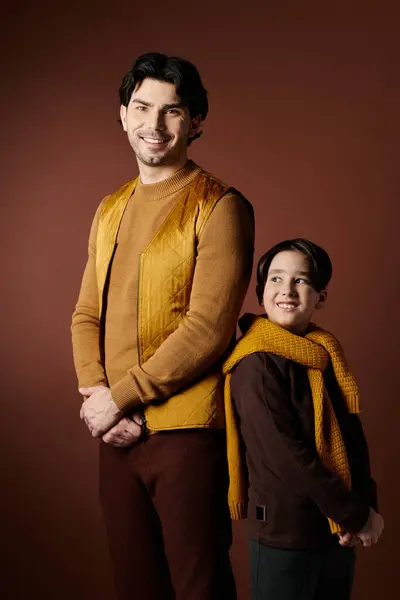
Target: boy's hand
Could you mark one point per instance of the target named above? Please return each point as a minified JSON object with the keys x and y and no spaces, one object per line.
{"x":348,"y":539}
{"x":372,"y":531}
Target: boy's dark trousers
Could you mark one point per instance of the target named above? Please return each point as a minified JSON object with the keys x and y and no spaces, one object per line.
{"x":325,"y":574}
{"x":165,"y":507}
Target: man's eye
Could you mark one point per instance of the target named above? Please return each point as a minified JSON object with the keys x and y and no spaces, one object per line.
{"x":172,"y":111}
{"x":140,"y":108}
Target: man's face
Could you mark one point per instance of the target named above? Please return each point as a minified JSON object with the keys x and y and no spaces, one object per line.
{"x":289,"y":298}
{"x":157,"y":124}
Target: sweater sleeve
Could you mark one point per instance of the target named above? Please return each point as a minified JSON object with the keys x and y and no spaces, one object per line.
{"x":85,"y":326}
{"x":272,"y":436}
{"x":222,"y":274}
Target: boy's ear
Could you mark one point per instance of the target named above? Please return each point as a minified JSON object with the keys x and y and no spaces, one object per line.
{"x":322,"y":299}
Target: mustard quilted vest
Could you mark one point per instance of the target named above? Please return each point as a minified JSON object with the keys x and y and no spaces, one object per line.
{"x":164,"y":285}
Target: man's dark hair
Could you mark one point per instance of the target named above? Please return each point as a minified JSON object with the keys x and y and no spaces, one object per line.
{"x":171,"y":69}
{"x":318,"y":261}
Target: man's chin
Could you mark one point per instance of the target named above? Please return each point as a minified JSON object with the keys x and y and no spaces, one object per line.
{"x":153,"y":161}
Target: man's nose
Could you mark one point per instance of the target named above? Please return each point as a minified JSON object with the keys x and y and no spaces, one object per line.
{"x":157,"y":120}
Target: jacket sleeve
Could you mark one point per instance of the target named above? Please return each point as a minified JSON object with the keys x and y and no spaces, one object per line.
{"x":85,"y":326}
{"x":357,"y":448}
{"x":222,"y":274}
{"x":272,"y":435}
{"x":356,"y":444}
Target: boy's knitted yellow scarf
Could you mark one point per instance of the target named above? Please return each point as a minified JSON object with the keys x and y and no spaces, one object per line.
{"x":314,"y":351}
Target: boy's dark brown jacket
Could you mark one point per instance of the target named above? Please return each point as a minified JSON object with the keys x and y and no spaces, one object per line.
{"x":290,"y":492}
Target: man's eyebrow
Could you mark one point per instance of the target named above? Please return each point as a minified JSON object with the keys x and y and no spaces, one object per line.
{"x":174,"y":105}
{"x":139,"y":101}
{"x":164,"y":106}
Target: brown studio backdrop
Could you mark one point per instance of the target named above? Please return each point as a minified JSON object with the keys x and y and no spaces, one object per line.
{"x":303,"y":120}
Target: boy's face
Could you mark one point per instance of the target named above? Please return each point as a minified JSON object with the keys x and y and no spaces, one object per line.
{"x":289,"y":298}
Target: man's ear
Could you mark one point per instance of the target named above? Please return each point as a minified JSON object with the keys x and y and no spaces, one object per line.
{"x":323,"y":295}
{"x":122,"y":114}
{"x":196,"y":126}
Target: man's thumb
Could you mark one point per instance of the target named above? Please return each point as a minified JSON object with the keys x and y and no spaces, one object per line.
{"x":87,"y":391}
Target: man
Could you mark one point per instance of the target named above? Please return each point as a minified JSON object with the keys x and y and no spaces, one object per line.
{"x":170,"y":259}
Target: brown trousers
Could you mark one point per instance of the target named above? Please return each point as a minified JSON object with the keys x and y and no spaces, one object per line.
{"x":164,"y":502}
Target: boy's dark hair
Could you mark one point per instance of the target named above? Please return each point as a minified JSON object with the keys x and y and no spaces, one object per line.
{"x":171,"y":69}
{"x":318,"y":260}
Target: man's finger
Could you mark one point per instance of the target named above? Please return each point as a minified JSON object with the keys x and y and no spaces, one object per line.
{"x":121,"y":436}
{"x":137,"y":418}
{"x":121,"y":444}
{"x":87,"y":391}
{"x":116,"y":440}
{"x":125,"y":436}
{"x":133,"y":428}
{"x":113,"y":435}
{"x":127,"y":427}
{"x":96,"y":433}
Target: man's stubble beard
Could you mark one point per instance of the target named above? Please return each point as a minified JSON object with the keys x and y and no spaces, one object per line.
{"x":154,"y":161}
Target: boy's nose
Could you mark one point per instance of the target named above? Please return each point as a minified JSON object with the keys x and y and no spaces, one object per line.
{"x":289,"y":291}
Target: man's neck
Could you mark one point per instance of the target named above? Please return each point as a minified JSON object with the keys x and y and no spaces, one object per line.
{"x":149,"y":174}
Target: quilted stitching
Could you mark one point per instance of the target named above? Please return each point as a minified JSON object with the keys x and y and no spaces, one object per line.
{"x":166,"y":274}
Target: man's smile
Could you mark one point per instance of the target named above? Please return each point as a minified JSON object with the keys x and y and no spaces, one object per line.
{"x":155,"y":141}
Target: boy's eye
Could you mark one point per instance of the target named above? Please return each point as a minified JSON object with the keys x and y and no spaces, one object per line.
{"x":302,"y":280}
{"x":276,"y":279}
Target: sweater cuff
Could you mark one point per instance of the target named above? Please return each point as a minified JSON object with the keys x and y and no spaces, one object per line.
{"x":124,"y":394}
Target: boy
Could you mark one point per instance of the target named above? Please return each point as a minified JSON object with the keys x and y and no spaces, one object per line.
{"x":311,"y":497}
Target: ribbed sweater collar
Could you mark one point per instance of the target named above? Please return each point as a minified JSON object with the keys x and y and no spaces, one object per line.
{"x":155,"y":191}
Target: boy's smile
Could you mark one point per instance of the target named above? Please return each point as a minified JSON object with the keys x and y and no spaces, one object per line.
{"x":289,"y":296}
{"x":288,"y":306}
